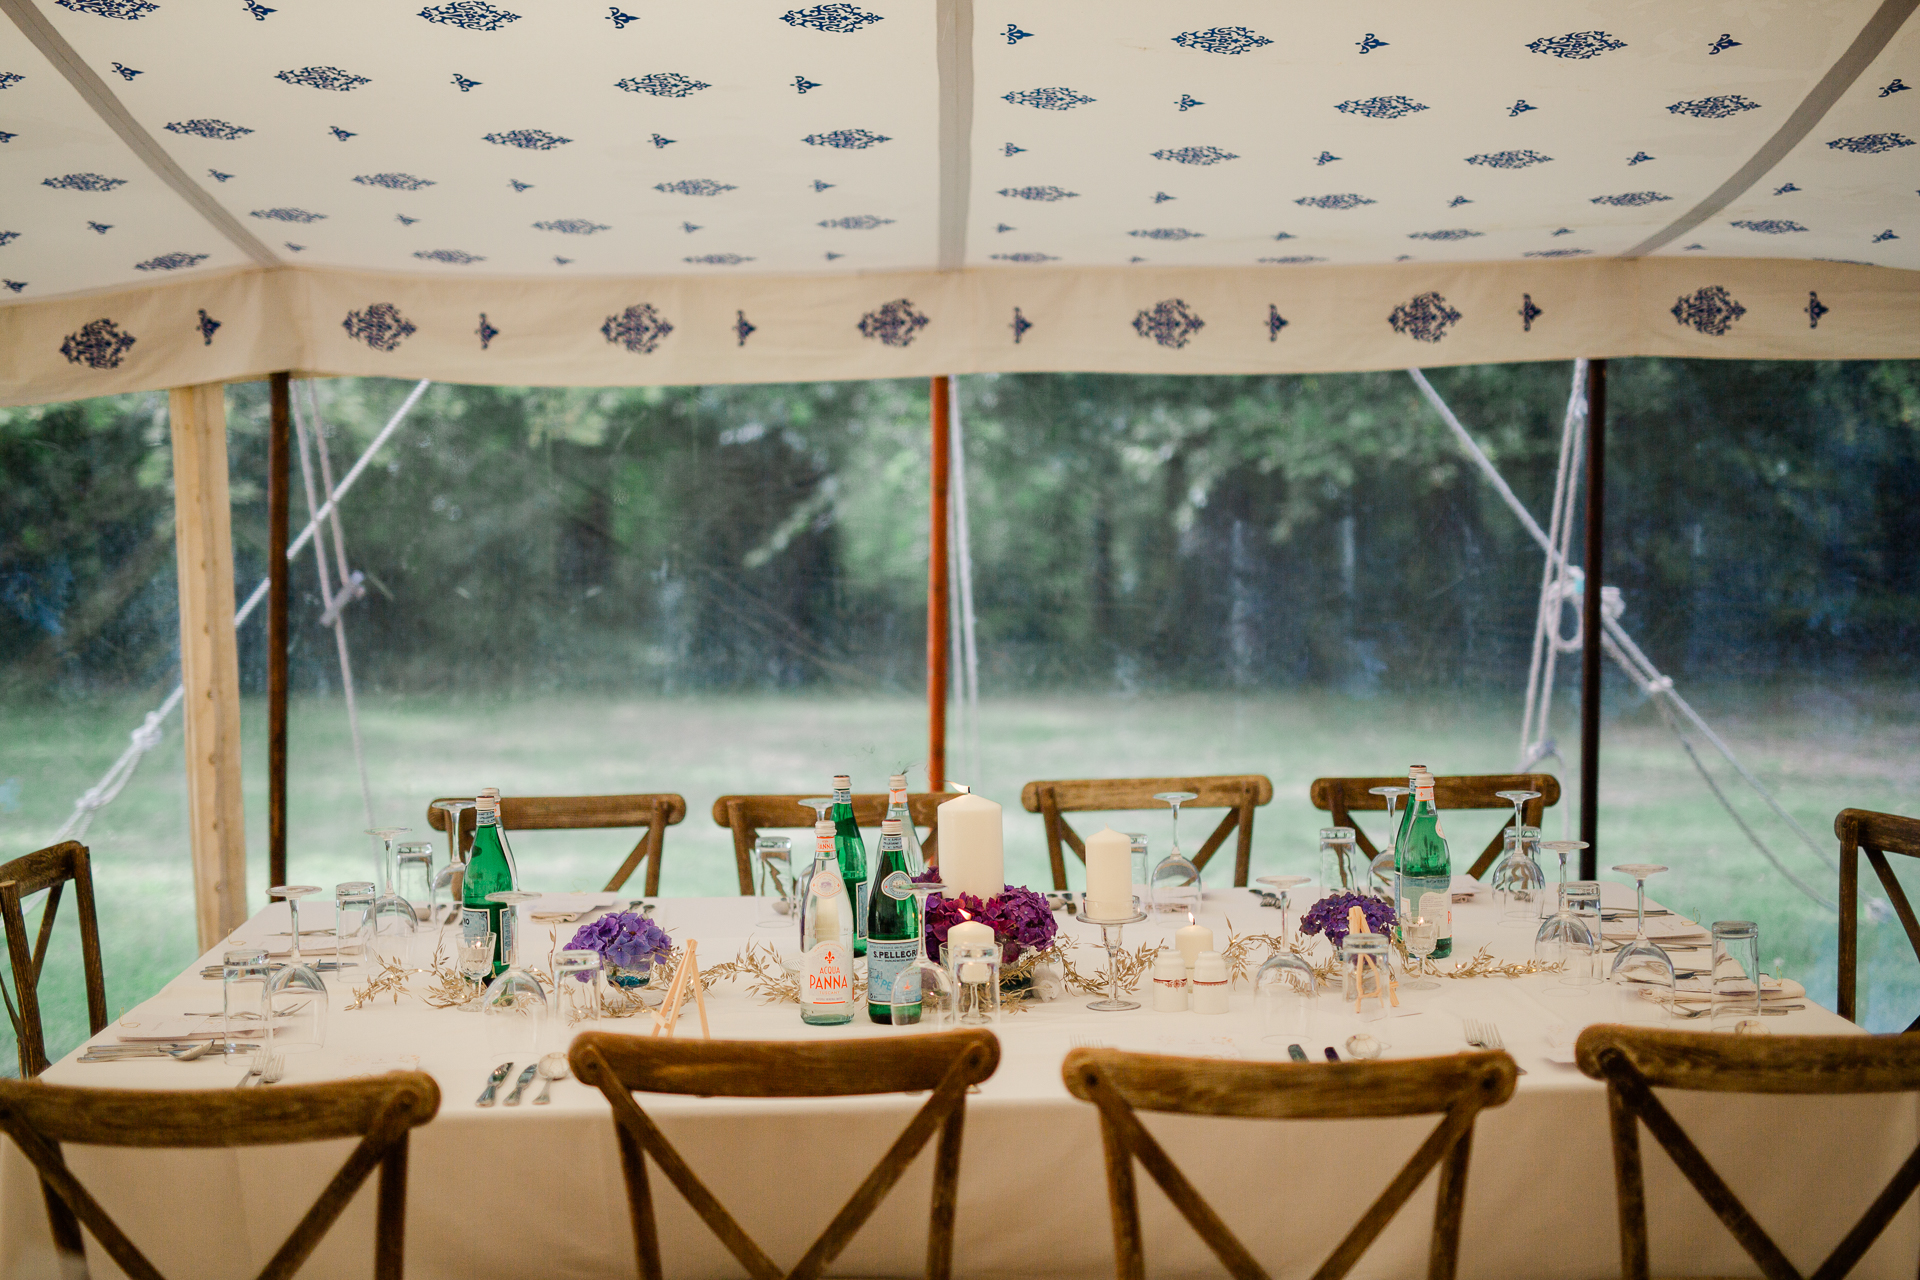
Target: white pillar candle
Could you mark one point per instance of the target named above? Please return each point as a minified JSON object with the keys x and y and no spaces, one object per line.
{"x":1209,"y":983}
{"x":972,"y":858}
{"x":972,"y":936}
{"x":1109,"y":875}
{"x":1192,"y":939}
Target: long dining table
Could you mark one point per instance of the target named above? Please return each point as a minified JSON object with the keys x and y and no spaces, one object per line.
{"x":538,"y":1190}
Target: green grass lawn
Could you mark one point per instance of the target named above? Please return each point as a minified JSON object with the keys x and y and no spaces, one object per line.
{"x":1821,"y":751}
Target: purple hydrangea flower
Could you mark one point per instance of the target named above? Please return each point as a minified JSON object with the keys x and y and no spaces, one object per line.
{"x":1329,"y":916}
{"x":624,"y":940}
{"x":1018,"y":916}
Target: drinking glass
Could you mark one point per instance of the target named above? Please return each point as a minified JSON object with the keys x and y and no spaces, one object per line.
{"x":394,"y":931}
{"x":1583,"y":965}
{"x":1367,"y":966}
{"x":1519,"y":885}
{"x":450,"y":874}
{"x":1422,"y":936}
{"x":1380,"y":877}
{"x":1562,"y":848}
{"x":1390,"y":795}
{"x":1339,"y":861}
{"x":924,"y":995}
{"x":773,"y":871}
{"x":1175,"y":884}
{"x":1640,"y":960}
{"x":475,"y":957}
{"x":383,"y":856}
{"x":240,"y":968}
{"x":579,"y":985}
{"x":1284,"y":988}
{"x":821,"y":806}
{"x":514,"y":1013}
{"x":1137,"y":848}
{"x":510,"y":900}
{"x":1736,"y":973}
{"x":352,"y":920}
{"x":292,"y":893}
{"x":413,"y":879}
{"x":1518,"y":799}
{"x":294,"y":1005}
{"x":1565,"y":940}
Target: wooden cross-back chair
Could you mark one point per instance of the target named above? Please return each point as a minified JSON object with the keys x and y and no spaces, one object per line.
{"x":747,"y":816}
{"x":1634,"y":1061}
{"x":1876,"y":835}
{"x":379,"y":1111}
{"x":655,"y":812}
{"x":50,"y":869}
{"x":1341,"y":796}
{"x":946,"y":1063}
{"x":1238,"y":794}
{"x":1456,"y":1088}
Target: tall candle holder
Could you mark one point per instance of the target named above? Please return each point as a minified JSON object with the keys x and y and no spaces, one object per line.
{"x":1110,"y":931}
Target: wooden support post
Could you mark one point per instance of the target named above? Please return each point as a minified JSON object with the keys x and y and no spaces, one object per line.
{"x":937,"y":588}
{"x":209,"y":659}
{"x":1590,"y":654}
{"x":278,"y":432}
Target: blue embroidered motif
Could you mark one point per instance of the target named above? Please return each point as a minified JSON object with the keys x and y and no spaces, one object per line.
{"x":207,"y":326}
{"x":288,"y":215}
{"x":322,"y":78}
{"x":120,"y":68}
{"x":170,"y":262}
{"x":218,"y":176}
{"x":339,"y":133}
{"x":1871,"y":143}
{"x":803,"y":84}
{"x":14,"y":285}
{"x":1040,"y":193}
{"x":8,"y":237}
{"x":1885,"y":236}
{"x":217,"y":129}
{"x":663,"y":84}
{"x":1325,"y":157}
{"x":1528,"y":313}
{"x":1577,"y":44}
{"x":719,"y":259}
{"x":380,"y":326}
{"x":1710,"y":310}
{"x":1023,"y":257}
{"x":258,"y":10}
{"x":689,"y":227}
{"x":130,"y":10}
{"x":832,"y":255}
{"x":1781,"y":191}
{"x":1456,"y":233}
{"x":1170,"y":323}
{"x":1768,"y":226}
{"x":8,"y":137}
{"x":1167,"y":233}
{"x":1718,"y":107}
{"x":1015,"y":35}
{"x":659,"y":141}
{"x":695,"y":187}
{"x":1631,"y":199}
{"x":846,"y":139}
{"x":1285,"y":235}
{"x":1188,"y":100}
{"x":404,"y":220}
{"x":1564,"y":231}
{"x":1019,"y":326}
{"x":100,"y":344}
{"x":393,"y":181}
{"x":560,"y":260}
{"x":819,"y":186}
{"x":98,"y":228}
{"x":895,"y":323}
{"x":619,"y":19}
{"x":1898,"y":86}
{"x":857,"y":222}
{"x":1519,"y":105}
{"x":741,"y":328}
{"x":1298,"y":259}
{"x":1457,"y":201}
{"x":1347,"y":200}
{"x":8,"y":79}
{"x":1724,"y":43}
{"x":473,"y":15}
{"x":1011,"y":150}
{"x":1275,"y":323}
{"x":572,"y":226}
{"x":1003,"y":227}
{"x":1386,"y":107}
{"x":1815,"y":309}
{"x":486,"y":331}
{"x":1638,"y":157}
{"x":1424,"y":318}
{"x":1159,"y":197}
{"x":1509,"y":159}
{"x":842,"y":19}
{"x":453,"y":257}
{"x":1228,"y":40}
{"x":1194,"y":155}
{"x":528,"y":139}
{"x":1371,"y":43}
{"x":462,"y":83}
{"x":1556,"y":253}
{"x":1058,"y":98}
{"x":518,"y":185}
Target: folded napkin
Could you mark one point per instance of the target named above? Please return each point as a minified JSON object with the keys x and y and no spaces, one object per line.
{"x":177,"y":1029}
{"x":1659,"y":929}
{"x":569,"y":906}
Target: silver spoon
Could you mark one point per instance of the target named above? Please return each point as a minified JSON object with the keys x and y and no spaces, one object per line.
{"x":182,"y":1053}
{"x":552,"y":1067}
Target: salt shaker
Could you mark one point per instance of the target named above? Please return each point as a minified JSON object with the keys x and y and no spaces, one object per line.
{"x":1209,"y":983}
{"x":1169,"y":983}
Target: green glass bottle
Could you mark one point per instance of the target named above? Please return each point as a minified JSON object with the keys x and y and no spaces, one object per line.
{"x":894,"y":939}
{"x":897,"y":808}
{"x":488,"y":871}
{"x":1426,"y":869}
{"x":851,"y":847}
{"x":1405,"y":824}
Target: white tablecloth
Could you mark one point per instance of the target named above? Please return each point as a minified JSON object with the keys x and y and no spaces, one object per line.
{"x":531,"y":1191}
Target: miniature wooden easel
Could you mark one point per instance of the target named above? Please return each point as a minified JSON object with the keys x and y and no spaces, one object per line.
{"x":667,"y":1016}
{"x":1385,"y":987}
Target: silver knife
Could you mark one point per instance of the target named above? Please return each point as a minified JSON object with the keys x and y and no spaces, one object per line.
{"x":493,"y":1082}
{"x":520,"y":1085}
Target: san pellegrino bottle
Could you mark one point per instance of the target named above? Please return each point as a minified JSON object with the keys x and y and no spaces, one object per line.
{"x":1426,"y":869}
{"x":851,"y":848}
{"x":506,"y":845}
{"x":897,"y":808}
{"x":488,"y":871}
{"x":894,"y":939}
{"x":826,"y":938}
{"x":1405,"y":824}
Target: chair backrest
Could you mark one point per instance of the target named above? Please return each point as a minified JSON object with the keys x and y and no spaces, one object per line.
{"x":50,"y":869}
{"x":1456,"y":1088}
{"x":747,"y":816}
{"x":655,"y":812}
{"x":1239,"y":794}
{"x":379,"y":1111}
{"x":1876,"y":835}
{"x":946,"y":1063}
{"x":1341,"y":796}
{"x":1634,"y":1061}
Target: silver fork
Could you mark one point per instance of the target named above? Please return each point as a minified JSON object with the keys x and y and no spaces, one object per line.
{"x":254,"y":1070}
{"x":1484,"y":1035}
{"x":275,"y":1070}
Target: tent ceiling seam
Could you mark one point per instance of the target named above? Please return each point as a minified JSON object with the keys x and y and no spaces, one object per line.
{"x":953,"y":25}
{"x":53,"y":46}
{"x":1866,"y":46}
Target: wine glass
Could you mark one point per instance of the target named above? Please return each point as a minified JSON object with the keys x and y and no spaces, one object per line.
{"x":1390,"y":795}
{"x":1422,"y":936}
{"x":1640,"y":960}
{"x":773,"y":872}
{"x":383,"y":868}
{"x":1284,"y":987}
{"x":1565,"y":939}
{"x":924,"y":995}
{"x":1563,"y":848}
{"x":475,"y":957}
{"x":1176,"y":880}
{"x":822,"y":807}
{"x":293,"y":893}
{"x":1518,"y":799}
{"x":1518,"y":882}
{"x":514,"y":1013}
{"x":1338,"y":856}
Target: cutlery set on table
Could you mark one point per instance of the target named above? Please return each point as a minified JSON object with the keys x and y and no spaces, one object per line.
{"x":551,"y":1067}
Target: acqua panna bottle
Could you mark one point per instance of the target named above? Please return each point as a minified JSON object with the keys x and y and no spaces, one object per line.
{"x":826,"y":938}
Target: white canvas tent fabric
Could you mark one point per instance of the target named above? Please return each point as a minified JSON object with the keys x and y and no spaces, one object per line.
{"x":484,"y":191}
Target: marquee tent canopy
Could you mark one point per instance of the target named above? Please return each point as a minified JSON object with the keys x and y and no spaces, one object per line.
{"x":650,"y":192}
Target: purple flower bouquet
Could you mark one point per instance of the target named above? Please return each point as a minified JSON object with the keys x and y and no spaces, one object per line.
{"x":1329,"y":916}
{"x":629,"y":945}
{"x":1019,"y":918}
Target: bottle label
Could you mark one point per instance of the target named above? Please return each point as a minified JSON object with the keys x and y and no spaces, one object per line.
{"x":864,"y":892}
{"x":898,"y":885}
{"x":1438,"y":908}
{"x":475,"y":923}
{"x":825,"y":884}
{"x":824,"y":978}
{"x":887,"y":963}
{"x":509,"y":932}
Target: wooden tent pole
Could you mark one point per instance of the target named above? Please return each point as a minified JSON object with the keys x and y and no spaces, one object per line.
{"x":278,"y":432}
{"x":1591,"y":631}
{"x":209,"y":658}
{"x":937,"y":588}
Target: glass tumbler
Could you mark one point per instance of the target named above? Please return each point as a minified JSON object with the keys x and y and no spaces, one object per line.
{"x":294,"y":1004}
{"x":1736,"y":973}
{"x":773,"y":877}
{"x":1340,"y":868}
{"x":352,"y":920}
{"x":414,"y":879}
{"x":242,"y":971}
{"x":1137,"y":842}
{"x":1366,"y":962}
{"x":1584,"y":958}
{"x":579,"y":985}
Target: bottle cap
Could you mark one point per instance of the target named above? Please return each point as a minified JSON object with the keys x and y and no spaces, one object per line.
{"x":842,"y":782}
{"x":890,"y":826}
{"x":823,"y":828}
{"x":898,"y":782}
{"x":1208,"y":966}
{"x":484,"y":803}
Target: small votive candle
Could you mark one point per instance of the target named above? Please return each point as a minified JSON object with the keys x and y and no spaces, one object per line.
{"x":1209,"y":983}
{"x":1169,"y":983}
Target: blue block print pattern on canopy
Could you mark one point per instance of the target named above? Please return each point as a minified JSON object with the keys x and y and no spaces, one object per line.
{"x":1295,"y":260}
{"x":1275,"y":323}
{"x":572,"y":226}
{"x":1194,"y":155}
{"x":1371,"y":43}
{"x":1885,"y":236}
{"x":842,"y":18}
{"x":473,"y":15}
{"x":1724,"y":43}
{"x":1783,"y":190}
{"x":1509,"y":159}
{"x":1638,"y":157}
{"x":297,"y":248}
{"x":518,"y":185}
{"x":207,"y":326}
{"x":659,"y":141}
{"x":847,"y":139}
{"x":486,"y":331}
{"x":404,"y":220}
{"x":1577,"y":44}
{"x":1230,"y":40}
{"x":695,"y":187}
{"x":857,"y":222}
{"x":1815,"y":309}
{"x":1556,"y":253}
{"x":1019,"y":326}
{"x":742,"y":328}
{"x":99,"y":228}
{"x":688,"y":227}
{"x":803,"y":84}
{"x":1023,"y":257}
{"x":453,"y":257}
{"x":394,"y":181}
{"x":1528,"y":313}
{"x":1171,"y":323}
{"x":8,"y":137}
{"x":1520,"y":104}
{"x":1768,"y":226}
{"x":122,"y":70}
{"x":823,"y":186}
{"x":323,"y":78}
{"x":258,"y":10}
{"x":619,"y":19}
{"x":1453,"y":233}
{"x":640,"y":329}
{"x":1718,"y":107}
{"x":14,"y":286}
{"x":217,"y":129}
{"x":1871,"y":143}
{"x":461,"y":82}
{"x":529,"y":139}
{"x":1898,"y":86}
{"x":895,"y":323}
{"x":1015,"y":35}
{"x":1324,"y":158}
{"x":1424,"y":318}
{"x":288,"y":215}
{"x":1346,"y":200}
{"x":380,"y":326}
{"x":718,"y":260}
{"x":170,"y":261}
{"x":8,"y":79}
{"x":1058,"y":98}
{"x":1167,"y":233}
{"x":1631,"y":199}
{"x":1159,"y":197}
{"x":1188,"y":101}
{"x":100,"y":344}
{"x":8,"y":237}
{"x":1711,"y":310}
{"x":1048,"y":194}
{"x":663,"y":84}
{"x":340,"y":134}
{"x":130,"y":10}
{"x":1457,"y":201}
{"x":1389,"y":107}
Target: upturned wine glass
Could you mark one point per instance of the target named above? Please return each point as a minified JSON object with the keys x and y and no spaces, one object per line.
{"x":1390,"y":795}
{"x":383,"y":867}
{"x":1562,"y":848}
{"x":292,"y":893}
{"x":1640,"y":960}
{"x":1518,"y":800}
{"x":1567,"y":938}
{"x":1176,"y":882}
{"x":1518,"y":882}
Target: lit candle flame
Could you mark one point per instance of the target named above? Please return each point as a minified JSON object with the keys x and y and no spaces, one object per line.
{"x":1190,"y":919}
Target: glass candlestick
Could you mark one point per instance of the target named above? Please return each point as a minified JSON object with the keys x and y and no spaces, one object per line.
{"x":1110,"y":938}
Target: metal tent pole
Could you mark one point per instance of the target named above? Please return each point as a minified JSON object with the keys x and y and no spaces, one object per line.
{"x":278,"y":475}
{"x":937,"y":587}
{"x":1592,"y":630}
